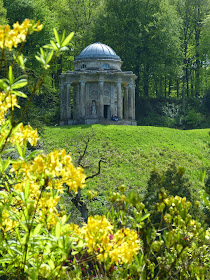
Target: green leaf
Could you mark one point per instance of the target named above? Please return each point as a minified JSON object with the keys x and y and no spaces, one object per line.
{"x":43,"y":53}
{"x":20,"y":78}
{"x":48,"y":47}
{"x":5,"y":260}
{"x":26,"y":190}
{"x":56,"y":36}
{"x":17,"y":127}
{"x":51,"y":264}
{"x":8,"y":151}
{"x":54,"y":45}
{"x":19,"y":149}
{"x":40,"y":59}
{"x":18,"y":233}
{"x":80,"y":244}
{"x":49,"y":56}
{"x":19,"y":84}
{"x":19,"y":93}
{"x":20,"y":60}
{"x":63,"y":49}
{"x":68,"y":39}
{"x":58,"y":230}
{"x":144,"y":217}
{"x":6,"y":164}
{"x":63,"y":220}
{"x":10,"y":75}
{"x":16,"y":251}
{"x":74,"y":253}
{"x":34,"y":153}
{"x":23,"y":198}
{"x":3,"y":85}
{"x":37,"y":229}
{"x":63,"y":37}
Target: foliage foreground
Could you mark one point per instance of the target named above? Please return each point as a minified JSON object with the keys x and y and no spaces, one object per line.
{"x":36,"y":240}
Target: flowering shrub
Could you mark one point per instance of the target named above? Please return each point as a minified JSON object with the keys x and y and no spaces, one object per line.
{"x":35,"y":237}
{"x":175,"y":248}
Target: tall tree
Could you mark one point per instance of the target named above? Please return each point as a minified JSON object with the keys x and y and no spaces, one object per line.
{"x":3,"y":13}
{"x":192,"y":13}
{"x":146,"y":36}
{"x":201,"y":10}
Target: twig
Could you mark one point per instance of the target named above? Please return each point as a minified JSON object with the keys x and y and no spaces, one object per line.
{"x":99,"y":170}
{"x":84,"y":152}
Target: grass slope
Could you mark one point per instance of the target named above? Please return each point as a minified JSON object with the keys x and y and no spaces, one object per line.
{"x":131,"y":152}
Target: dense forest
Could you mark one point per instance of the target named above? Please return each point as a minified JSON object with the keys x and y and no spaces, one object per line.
{"x":164,"y":42}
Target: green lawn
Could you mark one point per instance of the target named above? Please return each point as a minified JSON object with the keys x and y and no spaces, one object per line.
{"x":131,"y":152}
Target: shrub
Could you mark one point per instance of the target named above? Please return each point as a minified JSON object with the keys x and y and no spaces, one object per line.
{"x":173,"y":181}
{"x":36,"y":238}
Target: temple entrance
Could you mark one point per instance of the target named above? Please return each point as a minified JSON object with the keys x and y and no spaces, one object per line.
{"x":107,"y":114}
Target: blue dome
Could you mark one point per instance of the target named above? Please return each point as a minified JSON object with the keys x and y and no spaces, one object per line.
{"x":97,"y":51}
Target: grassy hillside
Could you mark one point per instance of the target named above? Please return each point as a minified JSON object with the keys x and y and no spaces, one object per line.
{"x":130,"y":153}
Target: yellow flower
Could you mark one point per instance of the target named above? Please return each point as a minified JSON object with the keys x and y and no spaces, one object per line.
{"x":7,"y":223}
{"x":96,"y":233}
{"x":119,"y":247}
{"x":124,"y":246}
{"x":24,"y":134}
{"x":12,"y":37}
{"x":7,"y":102}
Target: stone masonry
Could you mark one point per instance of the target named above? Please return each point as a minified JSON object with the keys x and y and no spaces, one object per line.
{"x":97,"y":89}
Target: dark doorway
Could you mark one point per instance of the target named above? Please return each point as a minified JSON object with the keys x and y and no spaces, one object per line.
{"x":107,"y":112}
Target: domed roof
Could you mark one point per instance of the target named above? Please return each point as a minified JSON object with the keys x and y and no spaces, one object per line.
{"x":97,"y":51}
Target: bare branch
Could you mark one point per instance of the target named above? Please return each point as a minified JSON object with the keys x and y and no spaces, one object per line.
{"x":84,"y":152}
{"x":99,"y":170}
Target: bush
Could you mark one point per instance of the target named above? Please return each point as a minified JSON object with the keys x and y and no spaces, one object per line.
{"x":169,"y":113}
{"x":36,"y":240}
{"x":173,"y":181}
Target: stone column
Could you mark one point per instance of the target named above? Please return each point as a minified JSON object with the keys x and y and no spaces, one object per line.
{"x":77,"y":101}
{"x":134,"y":103}
{"x":126,"y":102}
{"x":119,"y":100}
{"x":82,"y":99}
{"x":101,"y":98}
{"x":130,"y":101}
{"x":68,"y":101}
{"x":62,"y":101}
{"x":112,"y":100}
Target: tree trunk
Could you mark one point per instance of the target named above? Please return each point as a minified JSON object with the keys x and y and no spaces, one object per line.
{"x":146,"y":80}
{"x":183,"y":93}
{"x":169,"y":87}
{"x":197,"y":55}
{"x":177,"y":88}
{"x":156,"y":87}
{"x":165,"y":86}
{"x":187,"y":77}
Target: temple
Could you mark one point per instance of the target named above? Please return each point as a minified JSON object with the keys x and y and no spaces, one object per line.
{"x":97,"y":91}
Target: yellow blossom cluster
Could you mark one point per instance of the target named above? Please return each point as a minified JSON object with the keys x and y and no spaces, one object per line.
{"x":6,"y":102}
{"x":10,"y":38}
{"x":44,"y":178}
{"x":124,"y":246}
{"x":41,"y":181}
{"x":24,"y":134}
{"x":7,"y":224}
{"x":21,"y":135}
{"x":96,"y":233}
{"x":51,"y":171}
{"x":119,"y":247}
